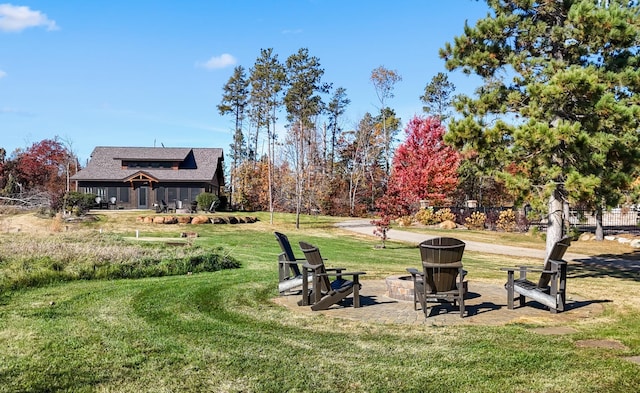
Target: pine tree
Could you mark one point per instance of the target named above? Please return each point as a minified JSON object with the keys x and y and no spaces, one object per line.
{"x":335,"y":109}
{"x":303,"y":104}
{"x":235,"y":99}
{"x":556,"y":118}
{"x":267,"y":81}
{"x":437,"y":96}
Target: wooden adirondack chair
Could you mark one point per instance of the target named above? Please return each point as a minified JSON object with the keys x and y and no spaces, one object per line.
{"x":550,"y":290}
{"x":442,"y":276}
{"x":324,"y":292}
{"x":289,"y":274}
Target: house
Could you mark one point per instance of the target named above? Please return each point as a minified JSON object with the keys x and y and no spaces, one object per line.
{"x":141,"y":177}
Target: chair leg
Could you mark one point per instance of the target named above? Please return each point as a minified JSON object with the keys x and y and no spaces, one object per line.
{"x":510,"y":290}
{"x":356,"y":292}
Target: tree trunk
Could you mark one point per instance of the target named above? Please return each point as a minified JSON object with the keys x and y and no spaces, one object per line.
{"x":554,"y":225}
{"x":599,"y":227}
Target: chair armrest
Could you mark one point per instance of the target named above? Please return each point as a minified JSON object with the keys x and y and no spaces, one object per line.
{"x":342,"y":274}
{"x":522,"y":268}
{"x":414,"y":271}
{"x":310,"y":267}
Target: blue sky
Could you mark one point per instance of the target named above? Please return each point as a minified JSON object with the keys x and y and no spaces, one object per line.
{"x":145,"y":73}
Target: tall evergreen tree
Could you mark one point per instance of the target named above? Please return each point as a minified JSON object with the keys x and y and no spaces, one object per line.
{"x":437,"y":96}
{"x":335,"y":109}
{"x":557,"y":115}
{"x":267,"y":80}
{"x":235,"y":99}
{"x":303,"y":103}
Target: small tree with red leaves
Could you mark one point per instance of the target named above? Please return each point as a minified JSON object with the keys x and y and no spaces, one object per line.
{"x":424,"y":167}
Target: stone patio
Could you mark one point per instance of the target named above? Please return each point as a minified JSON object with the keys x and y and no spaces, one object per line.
{"x":486,"y":305}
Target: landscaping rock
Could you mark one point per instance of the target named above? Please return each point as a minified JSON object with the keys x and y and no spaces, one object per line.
{"x":233,"y":220}
{"x":585,"y":237}
{"x":448,"y":224}
{"x":184,"y":219}
{"x":170,"y":220}
{"x":635,"y":243}
{"x":148,"y":220}
{"x":158,"y":220}
{"x":199,"y":220}
{"x":218,"y":220}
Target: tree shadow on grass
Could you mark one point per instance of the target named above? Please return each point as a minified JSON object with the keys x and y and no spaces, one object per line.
{"x":606,"y":265}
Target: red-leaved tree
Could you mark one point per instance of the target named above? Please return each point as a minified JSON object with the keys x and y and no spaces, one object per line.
{"x":43,"y":167}
{"x":424,"y":167}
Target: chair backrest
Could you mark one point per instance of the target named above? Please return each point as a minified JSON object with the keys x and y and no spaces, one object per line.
{"x":285,"y":246}
{"x":313,"y":257}
{"x":556,"y":254}
{"x":441,"y":261}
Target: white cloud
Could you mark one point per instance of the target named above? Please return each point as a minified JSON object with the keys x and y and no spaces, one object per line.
{"x":2,"y":74}
{"x":216,"y":62}
{"x":15,"y":18}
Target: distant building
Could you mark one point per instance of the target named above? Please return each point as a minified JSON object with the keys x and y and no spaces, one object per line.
{"x":141,"y":177}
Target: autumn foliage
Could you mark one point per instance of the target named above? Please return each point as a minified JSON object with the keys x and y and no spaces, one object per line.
{"x":424,"y":168}
{"x":42,"y":167}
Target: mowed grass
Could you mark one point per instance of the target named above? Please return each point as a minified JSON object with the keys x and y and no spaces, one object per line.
{"x":220,"y":331}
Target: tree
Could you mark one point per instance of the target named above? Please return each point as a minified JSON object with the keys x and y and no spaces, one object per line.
{"x":437,"y":96}
{"x":556,"y":118}
{"x":335,"y":109}
{"x":303,"y":103}
{"x":267,"y":80}
{"x":43,"y":167}
{"x":383,"y":81}
{"x":424,"y":168}
{"x":234,"y":101}
{"x":358,"y":151}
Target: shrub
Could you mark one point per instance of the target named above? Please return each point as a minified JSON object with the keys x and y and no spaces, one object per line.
{"x":78,"y":202}
{"x":425,"y":216}
{"x":206,"y":200}
{"x":476,"y":220}
{"x":506,"y":221}
{"x":444,"y":215}
{"x":404,"y":221}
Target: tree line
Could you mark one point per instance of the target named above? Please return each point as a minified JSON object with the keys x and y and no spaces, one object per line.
{"x":318,"y":165}
{"x":554,"y":123}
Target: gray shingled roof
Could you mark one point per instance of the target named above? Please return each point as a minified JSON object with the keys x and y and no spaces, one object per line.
{"x":106,"y":163}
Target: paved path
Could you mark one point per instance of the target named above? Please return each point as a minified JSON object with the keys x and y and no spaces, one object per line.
{"x":364,"y":227}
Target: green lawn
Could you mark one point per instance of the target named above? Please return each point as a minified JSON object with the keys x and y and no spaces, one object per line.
{"x":219,"y":331}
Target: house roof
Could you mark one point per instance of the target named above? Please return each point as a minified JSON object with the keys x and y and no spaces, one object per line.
{"x":197,"y":164}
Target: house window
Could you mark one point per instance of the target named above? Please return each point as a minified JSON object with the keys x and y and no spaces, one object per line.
{"x":124,"y":194}
{"x":194,"y":193}
{"x":172,"y":194}
{"x":160,"y":195}
{"x":112,"y":192}
{"x":184,"y":194}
